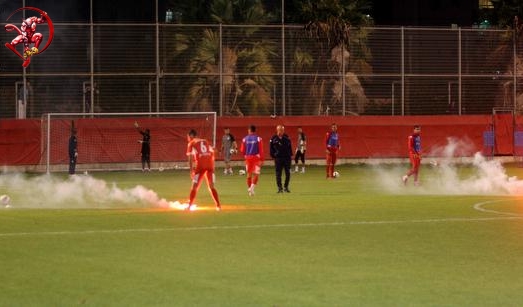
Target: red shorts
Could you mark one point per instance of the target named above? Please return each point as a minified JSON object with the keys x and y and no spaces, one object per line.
{"x":415,"y":161}
{"x":199,"y":174}
{"x":332,"y":155}
{"x":205,"y":163}
{"x":253,"y":164}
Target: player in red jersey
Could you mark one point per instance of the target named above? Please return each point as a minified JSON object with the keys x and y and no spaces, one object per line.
{"x":414,"y":146}
{"x":201,"y":163}
{"x":252,"y":150}
{"x":332,"y":143}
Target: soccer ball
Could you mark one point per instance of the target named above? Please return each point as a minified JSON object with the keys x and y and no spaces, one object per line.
{"x":241,"y":172}
{"x":336,"y":174}
{"x":161,"y":169}
{"x":4,"y":200}
{"x":233,"y":151}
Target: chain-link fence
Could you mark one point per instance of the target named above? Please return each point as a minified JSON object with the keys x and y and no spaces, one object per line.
{"x":257,"y":70}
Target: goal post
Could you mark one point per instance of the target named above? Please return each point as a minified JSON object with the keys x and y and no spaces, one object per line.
{"x":503,"y":125}
{"x":110,"y":141}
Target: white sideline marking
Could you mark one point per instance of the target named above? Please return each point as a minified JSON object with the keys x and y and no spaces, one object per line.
{"x":479,"y":207}
{"x":261,"y":226}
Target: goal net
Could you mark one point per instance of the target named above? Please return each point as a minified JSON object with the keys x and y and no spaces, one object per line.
{"x":110,"y":141}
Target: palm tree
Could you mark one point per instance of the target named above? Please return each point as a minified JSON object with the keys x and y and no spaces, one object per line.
{"x":507,"y":14}
{"x":246,"y":63}
{"x":329,"y":29}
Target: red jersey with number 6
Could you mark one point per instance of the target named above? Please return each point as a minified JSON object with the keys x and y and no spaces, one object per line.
{"x":202,"y":153}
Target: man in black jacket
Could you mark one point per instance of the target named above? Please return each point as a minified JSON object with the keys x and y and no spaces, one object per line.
{"x":73,"y":151}
{"x":281,"y":152}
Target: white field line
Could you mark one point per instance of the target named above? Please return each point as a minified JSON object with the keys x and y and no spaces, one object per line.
{"x":260,"y":226}
{"x":479,"y":207}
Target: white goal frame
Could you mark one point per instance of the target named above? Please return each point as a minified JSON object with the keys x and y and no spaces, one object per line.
{"x":46,"y":124}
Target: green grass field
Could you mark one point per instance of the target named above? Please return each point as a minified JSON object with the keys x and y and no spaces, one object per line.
{"x":342,"y":242}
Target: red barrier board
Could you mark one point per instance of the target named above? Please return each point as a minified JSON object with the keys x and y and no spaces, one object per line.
{"x":360,"y":137}
{"x":370,"y":136}
{"x":20,"y":142}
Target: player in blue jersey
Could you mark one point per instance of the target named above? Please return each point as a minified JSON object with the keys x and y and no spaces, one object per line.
{"x":414,"y":146}
{"x":332,"y":143}
{"x":252,"y":150}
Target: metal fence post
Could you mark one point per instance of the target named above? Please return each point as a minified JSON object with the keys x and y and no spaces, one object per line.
{"x":283,"y":68}
{"x":402,"y":71}
{"x":459,"y":71}
{"x":515,"y":69}
{"x":221,"y":69}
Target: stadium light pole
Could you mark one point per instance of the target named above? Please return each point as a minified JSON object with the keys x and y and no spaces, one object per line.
{"x":91,"y":49}
{"x":158,"y":69}
{"x":283,"y":56}
{"x":514,"y":56}
{"x":24,"y":73}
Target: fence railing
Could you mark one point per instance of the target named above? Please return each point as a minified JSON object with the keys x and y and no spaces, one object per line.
{"x":264,"y":69}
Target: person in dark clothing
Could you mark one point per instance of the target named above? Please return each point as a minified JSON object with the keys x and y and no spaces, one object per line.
{"x":146,"y":146}
{"x":73,"y":151}
{"x":281,"y":152}
{"x":301,"y":147}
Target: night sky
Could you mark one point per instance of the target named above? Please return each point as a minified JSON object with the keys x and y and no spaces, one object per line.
{"x":391,"y":12}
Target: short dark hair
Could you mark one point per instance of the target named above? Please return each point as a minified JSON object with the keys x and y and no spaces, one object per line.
{"x":417,"y":126}
{"x":252,"y":128}
{"x":192,"y":133}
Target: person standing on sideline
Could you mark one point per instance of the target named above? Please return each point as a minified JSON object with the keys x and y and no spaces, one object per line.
{"x":281,"y":152}
{"x":73,"y":151}
{"x":414,"y":147}
{"x":252,"y":150}
{"x":301,"y":146}
{"x":228,"y":148}
{"x":201,"y":163}
{"x":332,"y":142}
{"x":23,"y":98}
{"x":146,"y":146}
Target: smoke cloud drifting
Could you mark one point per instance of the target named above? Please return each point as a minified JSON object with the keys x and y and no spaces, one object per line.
{"x":481,"y":177}
{"x":47,"y":191}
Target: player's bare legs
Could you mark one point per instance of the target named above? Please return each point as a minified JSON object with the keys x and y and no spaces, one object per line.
{"x":209,"y":176}
{"x":331,"y":160}
{"x":196,"y":182}
{"x":415,"y":162}
{"x":327,"y":165}
{"x":253,"y":180}
{"x":253,"y":170}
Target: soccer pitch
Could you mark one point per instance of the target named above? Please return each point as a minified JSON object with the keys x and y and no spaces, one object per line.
{"x":362,"y":239}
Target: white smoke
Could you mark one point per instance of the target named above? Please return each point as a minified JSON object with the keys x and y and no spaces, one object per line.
{"x":450,"y":173}
{"x":79,"y":191}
